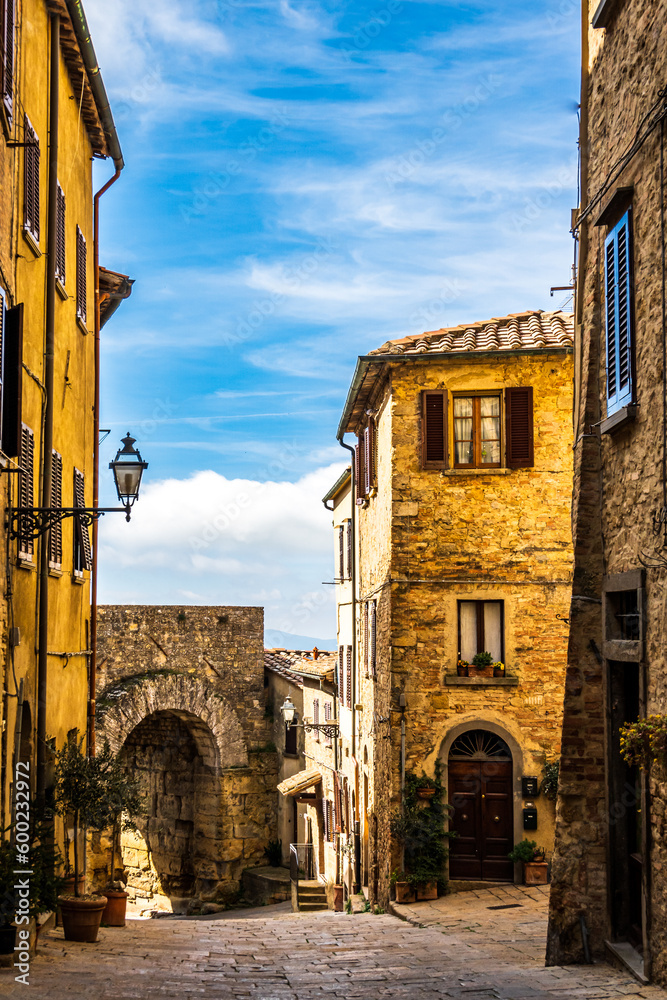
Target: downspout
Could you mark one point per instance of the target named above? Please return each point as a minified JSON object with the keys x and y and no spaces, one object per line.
{"x":47,"y":436}
{"x":353,"y":487}
{"x":80,"y":25}
{"x":583,"y":228}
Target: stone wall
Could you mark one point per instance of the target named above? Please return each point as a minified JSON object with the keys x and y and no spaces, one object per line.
{"x":181,"y":696}
{"x":618,"y":487}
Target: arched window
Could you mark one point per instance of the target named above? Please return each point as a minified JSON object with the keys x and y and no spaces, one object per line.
{"x":479,"y":744}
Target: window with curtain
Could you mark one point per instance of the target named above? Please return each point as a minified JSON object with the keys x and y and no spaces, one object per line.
{"x":477,"y":431}
{"x":481,"y":627}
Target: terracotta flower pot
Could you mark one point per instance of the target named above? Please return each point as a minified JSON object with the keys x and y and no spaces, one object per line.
{"x":427,"y":890}
{"x":81,"y":916}
{"x":425,"y":793}
{"x":114,"y":911}
{"x":404,"y":893}
{"x":462,"y":669}
{"x":338,"y":898}
{"x":498,"y":672}
{"x":535,"y":872}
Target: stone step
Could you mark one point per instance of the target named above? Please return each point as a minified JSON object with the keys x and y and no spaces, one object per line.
{"x":311,"y":907}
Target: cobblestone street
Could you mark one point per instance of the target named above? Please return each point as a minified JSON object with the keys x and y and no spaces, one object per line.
{"x":466,"y":951}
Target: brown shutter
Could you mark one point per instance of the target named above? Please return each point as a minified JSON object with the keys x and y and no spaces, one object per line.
{"x":348,"y":677}
{"x":519,"y":424}
{"x":359,"y":477}
{"x":365,"y":619}
{"x":316,"y":717}
{"x":327,"y":718}
{"x":26,"y":486}
{"x":337,"y":803}
{"x":3,"y":367}
{"x":81,"y":532}
{"x":372,"y":628}
{"x":434,"y":430}
{"x":349,"y":550}
{"x":12,"y":380}
{"x":56,"y":532}
{"x":60,"y":236}
{"x":81,"y":276}
{"x":8,"y":56}
{"x":325,"y":819}
{"x":341,"y":552}
{"x":31,"y":180}
{"x":369,"y":456}
{"x":341,"y":689}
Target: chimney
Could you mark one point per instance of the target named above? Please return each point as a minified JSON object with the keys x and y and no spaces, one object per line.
{"x":315,"y":652}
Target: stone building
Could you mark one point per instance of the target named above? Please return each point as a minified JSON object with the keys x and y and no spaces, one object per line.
{"x":181,"y":695}
{"x":610,"y":866}
{"x":55,"y":119}
{"x":460,"y":543}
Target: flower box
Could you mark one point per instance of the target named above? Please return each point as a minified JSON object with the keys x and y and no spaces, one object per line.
{"x":427,"y":890}
{"x":404,"y":893}
{"x":535,"y":872}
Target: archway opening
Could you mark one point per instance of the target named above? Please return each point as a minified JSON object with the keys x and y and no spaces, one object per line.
{"x":171,"y":754}
{"x":481,"y":807}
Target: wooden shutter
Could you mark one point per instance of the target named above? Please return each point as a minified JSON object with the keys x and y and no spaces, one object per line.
{"x":349,"y":549}
{"x":327,"y":718}
{"x":81,"y":532}
{"x":12,"y":380}
{"x":434,"y":430}
{"x":3,"y":372}
{"x":341,"y":688}
{"x":56,"y":532}
{"x":325,"y":819}
{"x":337,"y":803}
{"x":81,"y":276}
{"x":60,"y":236}
{"x":369,"y":457}
{"x":8,"y":57}
{"x":341,"y":552}
{"x":372,"y":629}
{"x":359,"y":473}
{"x":348,"y":677}
{"x":519,"y":423}
{"x":618,"y":296}
{"x":316,"y":717}
{"x":27,"y":486}
{"x":31,"y":180}
{"x":365,"y":637}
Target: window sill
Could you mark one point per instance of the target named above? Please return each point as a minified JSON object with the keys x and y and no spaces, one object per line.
{"x":61,"y":290}
{"x":55,"y":571}
{"x":620,"y":419}
{"x":32,"y":242}
{"x":623,"y":650}
{"x":78,"y":577}
{"x":476,"y":472}
{"x":292,"y":756}
{"x":24,"y":563}
{"x":453,"y":680}
{"x":82,"y":326}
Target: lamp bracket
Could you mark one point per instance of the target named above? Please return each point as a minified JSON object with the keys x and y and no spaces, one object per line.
{"x":32,"y":522}
{"x":329,"y":729}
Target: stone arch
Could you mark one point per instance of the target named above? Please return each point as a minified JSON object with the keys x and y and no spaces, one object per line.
{"x":214,"y":724}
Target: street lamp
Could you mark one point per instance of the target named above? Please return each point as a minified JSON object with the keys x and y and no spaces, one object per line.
{"x":288,"y":710}
{"x":128,"y":468}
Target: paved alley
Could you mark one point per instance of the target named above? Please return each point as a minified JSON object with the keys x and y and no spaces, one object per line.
{"x":467,"y":951}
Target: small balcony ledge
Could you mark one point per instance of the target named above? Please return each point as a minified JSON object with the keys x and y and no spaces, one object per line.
{"x":453,"y":680}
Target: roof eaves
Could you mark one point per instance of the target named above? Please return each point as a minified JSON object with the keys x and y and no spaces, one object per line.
{"x":339,"y":484}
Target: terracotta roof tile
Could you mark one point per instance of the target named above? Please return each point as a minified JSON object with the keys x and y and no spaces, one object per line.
{"x":531,"y":330}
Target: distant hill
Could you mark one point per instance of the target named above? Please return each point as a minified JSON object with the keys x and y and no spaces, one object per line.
{"x":287,"y":640}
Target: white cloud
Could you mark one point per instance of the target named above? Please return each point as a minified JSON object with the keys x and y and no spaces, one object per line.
{"x":211,"y":540}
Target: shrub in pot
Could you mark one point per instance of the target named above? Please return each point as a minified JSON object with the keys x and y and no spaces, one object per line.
{"x":124,"y":801}
{"x":483,"y":664}
{"x":535,"y":868}
{"x":420,"y":829}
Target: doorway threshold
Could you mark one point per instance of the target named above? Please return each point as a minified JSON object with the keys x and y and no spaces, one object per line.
{"x":629,"y":958}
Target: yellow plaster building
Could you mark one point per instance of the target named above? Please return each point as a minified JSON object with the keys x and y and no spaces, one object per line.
{"x":461,"y":544}
{"x":55,"y":120}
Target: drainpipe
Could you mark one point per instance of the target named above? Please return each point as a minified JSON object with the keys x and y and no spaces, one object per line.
{"x":583,"y":228}
{"x":47,"y":435}
{"x":80,"y":25}
{"x":353,"y":487}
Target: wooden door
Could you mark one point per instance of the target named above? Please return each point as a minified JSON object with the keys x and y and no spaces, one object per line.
{"x":480,"y":794}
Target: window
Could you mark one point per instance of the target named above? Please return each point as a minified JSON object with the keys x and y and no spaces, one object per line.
{"x":8,"y":57}
{"x":31,"y":181}
{"x":82,"y":551}
{"x":481,"y":629}
{"x":81,"y":276}
{"x":434,"y":430}
{"x":26,"y":486}
{"x":60,"y":236}
{"x":618,"y":300}
{"x":56,"y":531}
{"x":12,"y":380}
{"x":476,"y":431}
{"x":290,"y":739}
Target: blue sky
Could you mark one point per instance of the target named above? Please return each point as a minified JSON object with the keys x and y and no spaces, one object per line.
{"x":305,"y":181}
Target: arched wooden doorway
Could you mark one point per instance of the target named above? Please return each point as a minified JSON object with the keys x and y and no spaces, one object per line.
{"x":480,"y":798}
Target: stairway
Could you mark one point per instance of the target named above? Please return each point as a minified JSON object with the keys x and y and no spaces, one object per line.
{"x":312,"y":896}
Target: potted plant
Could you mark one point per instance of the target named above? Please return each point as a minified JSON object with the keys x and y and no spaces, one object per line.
{"x":498,"y":669}
{"x":124,"y":801}
{"x":420,"y":828}
{"x":644,"y":742}
{"x":81,"y":799}
{"x":462,"y":667}
{"x":42,"y":859}
{"x":425,"y":787}
{"x":535,"y":868}
{"x":550,"y":778}
{"x":482,"y":662}
{"x":404,"y":890}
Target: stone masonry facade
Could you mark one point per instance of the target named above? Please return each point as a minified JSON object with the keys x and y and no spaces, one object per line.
{"x":611,"y":843}
{"x":181,"y":696}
